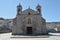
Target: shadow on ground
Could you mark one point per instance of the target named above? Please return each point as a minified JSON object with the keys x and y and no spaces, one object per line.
{"x":29,"y":36}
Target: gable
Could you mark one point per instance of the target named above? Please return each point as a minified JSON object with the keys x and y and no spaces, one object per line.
{"x":29,"y":11}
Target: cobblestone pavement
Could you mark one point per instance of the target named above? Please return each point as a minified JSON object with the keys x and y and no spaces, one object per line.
{"x":8,"y":36}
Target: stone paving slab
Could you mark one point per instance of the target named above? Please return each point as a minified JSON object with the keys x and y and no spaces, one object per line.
{"x":16,"y":36}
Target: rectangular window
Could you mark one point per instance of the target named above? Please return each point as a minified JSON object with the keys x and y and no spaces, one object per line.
{"x":29,"y":21}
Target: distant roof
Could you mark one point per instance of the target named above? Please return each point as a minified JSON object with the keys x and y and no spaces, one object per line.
{"x":1,"y":18}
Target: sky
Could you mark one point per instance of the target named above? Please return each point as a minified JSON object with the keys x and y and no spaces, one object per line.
{"x":50,"y":8}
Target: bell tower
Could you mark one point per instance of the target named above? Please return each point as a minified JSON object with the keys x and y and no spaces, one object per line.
{"x":38,"y":8}
{"x":19,"y":9}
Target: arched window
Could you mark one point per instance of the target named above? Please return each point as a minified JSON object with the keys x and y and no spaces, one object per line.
{"x":29,"y":21}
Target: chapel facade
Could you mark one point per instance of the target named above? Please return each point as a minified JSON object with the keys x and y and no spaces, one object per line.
{"x":29,"y":22}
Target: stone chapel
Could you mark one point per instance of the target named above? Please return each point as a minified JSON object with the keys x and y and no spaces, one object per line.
{"x":29,"y":22}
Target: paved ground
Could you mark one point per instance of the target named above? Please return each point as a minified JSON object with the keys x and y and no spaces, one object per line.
{"x":8,"y":36}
